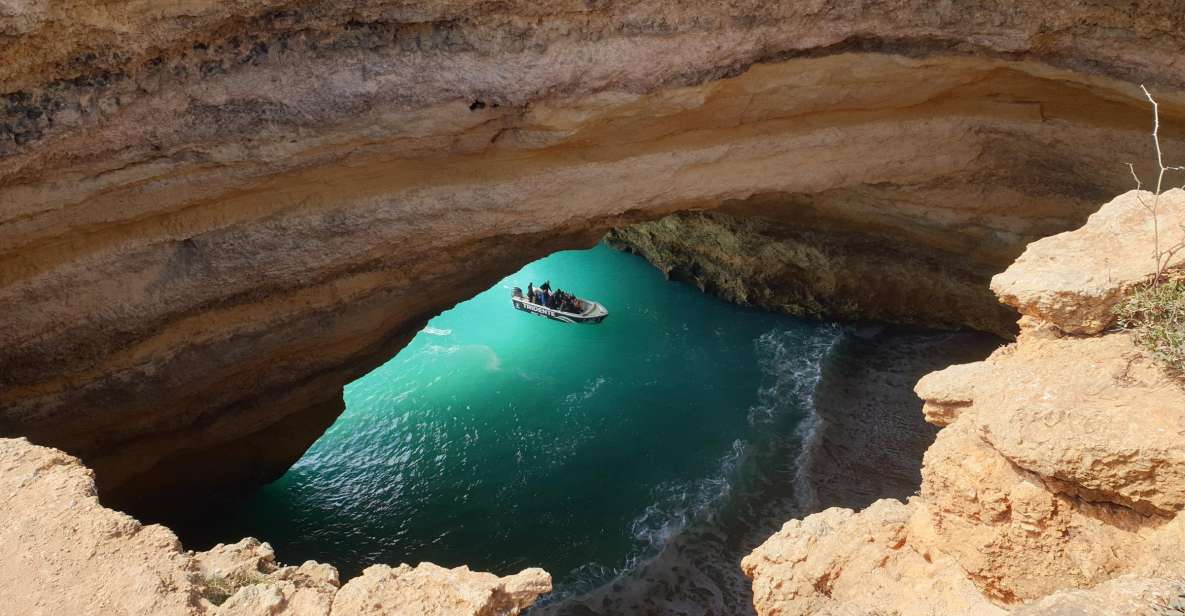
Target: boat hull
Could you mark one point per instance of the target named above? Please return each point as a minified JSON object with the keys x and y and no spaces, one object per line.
{"x":597,"y":315}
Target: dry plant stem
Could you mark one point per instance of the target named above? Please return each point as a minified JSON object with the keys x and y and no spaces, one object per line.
{"x":1162,"y":258}
{"x":1171,"y":252}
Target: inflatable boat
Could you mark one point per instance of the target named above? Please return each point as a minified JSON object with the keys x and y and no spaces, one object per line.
{"x":590,"y":311}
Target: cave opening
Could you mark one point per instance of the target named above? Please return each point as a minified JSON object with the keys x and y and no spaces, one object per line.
{"x":636,"y":460}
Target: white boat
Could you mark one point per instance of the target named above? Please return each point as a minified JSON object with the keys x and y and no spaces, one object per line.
{"x":589,"y":311}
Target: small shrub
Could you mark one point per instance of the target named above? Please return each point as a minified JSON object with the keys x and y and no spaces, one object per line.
{"x":1174,"y":604}
{"x":1156,"y":317}
{"x":217,"y":589}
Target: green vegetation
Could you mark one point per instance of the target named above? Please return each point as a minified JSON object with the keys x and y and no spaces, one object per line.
{"x":1156,"y":317}
{"x":217,"y":589}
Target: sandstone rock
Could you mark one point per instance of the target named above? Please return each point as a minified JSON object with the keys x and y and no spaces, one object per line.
{"x":64,"y":553}
{"x":193,"y":195}
{"x":243,"y":559}
{"x":780,"y":255}
{"x":839,"y":562}
{"x":1124,"y":596}
{"x":261,"y":599}
{"x":1093,"y":417}
{"x":948,"y":392}
{"x":1017,"y":539}
{"x":1074,"y":279}
{"x":257,"y":584}
{"x":430,"y":590}
{"x":67,"y":554}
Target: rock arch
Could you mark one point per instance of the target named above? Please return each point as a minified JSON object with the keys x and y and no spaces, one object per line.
{"x":213,"y":219}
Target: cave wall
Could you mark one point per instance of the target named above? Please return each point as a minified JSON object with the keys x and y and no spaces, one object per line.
{"x":214,"y":215}
{"x":804,"y":267}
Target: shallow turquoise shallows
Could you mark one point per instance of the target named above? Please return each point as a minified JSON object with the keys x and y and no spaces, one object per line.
{"x":503,"y":440}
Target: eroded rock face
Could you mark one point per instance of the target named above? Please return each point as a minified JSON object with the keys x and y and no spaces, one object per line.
{"x":1055,"y":483}
{"x":791,"y":255}
{"x":1073,"y":281}
{"x":840,"y":563}
{"x":1124,"y":596}
{"x":67,"y":554}
{"x":213,"y":216}
{"x":431,"y":590}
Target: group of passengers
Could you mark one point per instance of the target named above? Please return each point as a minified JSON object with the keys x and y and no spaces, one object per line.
{"x":559,"y":300}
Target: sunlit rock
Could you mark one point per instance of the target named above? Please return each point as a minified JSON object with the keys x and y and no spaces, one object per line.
{"x":67,"y":554}
{"x":1073,"y":280}
{"x":1060,"y":464}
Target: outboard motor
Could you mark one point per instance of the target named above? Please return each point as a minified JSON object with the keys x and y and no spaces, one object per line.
{"x":517,"y":292}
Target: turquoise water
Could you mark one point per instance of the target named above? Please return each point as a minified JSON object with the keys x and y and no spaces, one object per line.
{"x":503,"y":440}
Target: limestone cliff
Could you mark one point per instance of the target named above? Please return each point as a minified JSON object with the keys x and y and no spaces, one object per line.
{"x":64,"y":553}
{"x":214,"y":214}
{"x":792,"y":257}
{"x":1057,"y":482}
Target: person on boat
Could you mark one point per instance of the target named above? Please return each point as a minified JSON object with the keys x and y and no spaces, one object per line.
{"x":530,"y":291}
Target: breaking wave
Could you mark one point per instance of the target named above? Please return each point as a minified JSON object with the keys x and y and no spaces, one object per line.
{"x":691,"y":517}
{"x":679,"y":504}
{"x":793,"y":367}
{"x":806,"y":369}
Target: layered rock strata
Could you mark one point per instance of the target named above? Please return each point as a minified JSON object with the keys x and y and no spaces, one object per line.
{"x":214,"y":215}
{"x":790,"y":255}
{"x":1060,"y":464}
{"x":67,"y":554}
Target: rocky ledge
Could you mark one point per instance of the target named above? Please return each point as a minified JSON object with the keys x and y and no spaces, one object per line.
{"x":1057,"y":481}
{"x":64,"y":553}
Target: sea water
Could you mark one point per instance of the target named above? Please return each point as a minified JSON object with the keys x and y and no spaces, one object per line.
{"x":504,"y":440}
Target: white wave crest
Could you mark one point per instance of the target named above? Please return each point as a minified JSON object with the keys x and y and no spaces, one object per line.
{"x":678,"y":504}
{"x":590,"y":389}
{"x":436,"y":349}
{"x":792,"y":366}
{"x":809,"y":371}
